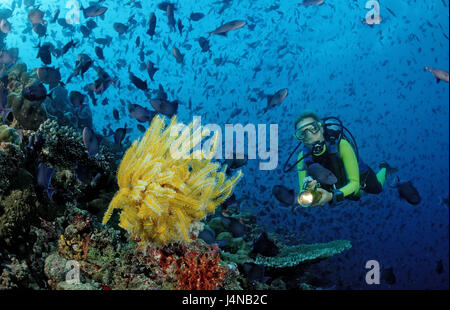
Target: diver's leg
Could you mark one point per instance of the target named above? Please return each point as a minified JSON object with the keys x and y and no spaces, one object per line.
{"x":374,"y":185}
{"x":385,"y":171}
{"x":381,"y":176}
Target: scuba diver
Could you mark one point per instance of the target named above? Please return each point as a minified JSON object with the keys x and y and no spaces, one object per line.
{"x":328,"y":147}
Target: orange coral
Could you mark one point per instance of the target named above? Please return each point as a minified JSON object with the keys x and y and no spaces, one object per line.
{"x":200,"y":272}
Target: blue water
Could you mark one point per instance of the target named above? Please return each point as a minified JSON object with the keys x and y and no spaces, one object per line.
{"x":373,"y":78}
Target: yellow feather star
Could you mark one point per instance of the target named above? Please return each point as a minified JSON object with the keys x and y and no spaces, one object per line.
{"x":162,"y":195}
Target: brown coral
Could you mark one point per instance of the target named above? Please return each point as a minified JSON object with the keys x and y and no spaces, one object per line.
{"x":200,"y":272}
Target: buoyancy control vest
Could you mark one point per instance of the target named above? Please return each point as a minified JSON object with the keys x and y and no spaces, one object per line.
{"x":332,"y":160}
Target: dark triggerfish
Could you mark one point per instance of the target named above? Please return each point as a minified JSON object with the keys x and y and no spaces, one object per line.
{"x":284,"y":195}
{"x":90,"y":141}
{"x":237,"y":161}
{"x":407,"y":191}
{"x":44,"y":177}
{"x":35,"y":92}
{"x":94,"y":11}
{"x":151,"y":69}
{"x":265,"y":246}
{"x":388,"y":276}
{"x":321,"y":174}
{"x":165,"y":107}
{"x":254,"y":272}
{"x":151,"y":25}
{"x":234,"y":225}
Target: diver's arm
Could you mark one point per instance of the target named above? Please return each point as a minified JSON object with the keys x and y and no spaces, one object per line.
{"x":351,"y":168}
{"x":301,"y":173}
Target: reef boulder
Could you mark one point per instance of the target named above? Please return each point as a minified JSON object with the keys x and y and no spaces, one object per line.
{"x":29,"y":114}
{"x":8,"y":134}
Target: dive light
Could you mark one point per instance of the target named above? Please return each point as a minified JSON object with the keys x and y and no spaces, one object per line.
{"x":310,"y":194}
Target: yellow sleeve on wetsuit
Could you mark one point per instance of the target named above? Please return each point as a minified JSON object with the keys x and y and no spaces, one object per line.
{"x":350,"y":164}
{"x":301,"y":173}
{"x":351,"y":168}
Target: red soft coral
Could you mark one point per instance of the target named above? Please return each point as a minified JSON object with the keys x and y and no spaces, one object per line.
{"x":200,"y":272}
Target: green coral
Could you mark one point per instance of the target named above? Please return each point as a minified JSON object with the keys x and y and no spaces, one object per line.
{"x":290,"y":256}
{"x":102,"y":257}
{"x":217,"y":225}
{"x":22,"y":179}
{"x":15,"y":72}
{"x":102,"y":249}
{"x":17,"y":211}
{"x":224,"y":236}
{"x":239,"y":257}
{"x":234,"y":244}
{"x":15,"y":274}
{"x":238,"y":245}
{"x":5,"y":173}
{"x":99,"y":204}
{"x":8,"y":134}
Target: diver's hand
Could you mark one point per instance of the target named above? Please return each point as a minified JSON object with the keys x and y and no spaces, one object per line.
{"x":309,"y":183}
{"x":307,"y":179}
{"x":326,"y":197}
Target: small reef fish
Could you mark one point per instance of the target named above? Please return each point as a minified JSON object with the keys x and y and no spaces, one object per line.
{"x":439,"y":74}
{"x":225,"y":28}
{"x":311,"y":2}
{"x":276,"y":99}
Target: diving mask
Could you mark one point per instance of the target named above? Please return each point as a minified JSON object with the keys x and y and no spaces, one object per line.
{"x":312,"y":128}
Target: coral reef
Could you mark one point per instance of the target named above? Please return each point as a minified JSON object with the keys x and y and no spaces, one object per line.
{"x":165,"y":202}
{"x":18,"y":209}
{"x":160,"y":195}
{"x":11,"y":160}
{"x":64,"y":148}
{"x":29,"y":114}
{"x":78,"y":177}
{"x":31,"y":225}
{"x":65,"y":112}
{"x":286,"y":270}
{"x":200,"y":272}
{"x":291,"y":256}
{"x":107,"y":262}
{"x":16,"y":275}
{"x":75,"y":248}
{"x":18,"y":204}
{"x":8,"y":134}
{"x":56,"y":269}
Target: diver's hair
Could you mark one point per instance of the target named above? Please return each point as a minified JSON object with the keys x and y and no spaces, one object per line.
{"x":306,"y":114}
